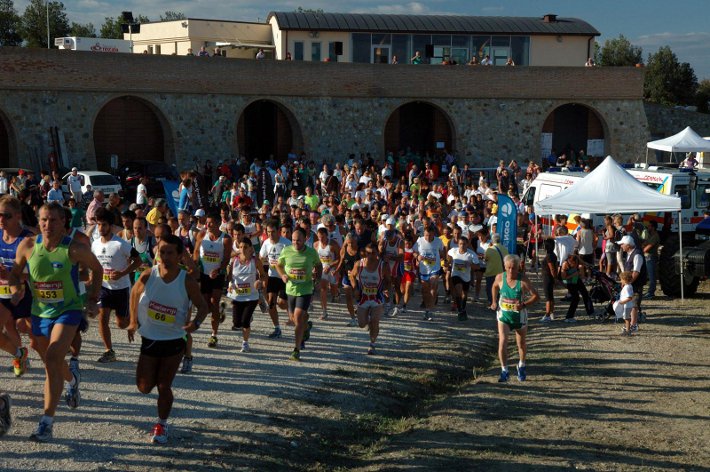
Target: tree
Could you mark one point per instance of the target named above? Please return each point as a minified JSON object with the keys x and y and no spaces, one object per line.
{"x":172,"y":16}
{"x":620,"y":52}
{"x":83,"y":31}
{"x":9,"y":24}
{"x":111,"y":29}
{"x":33,"y":25}
{"x":703,"y":96}
{"x":669,"y":82}
{"x":308,"y":10}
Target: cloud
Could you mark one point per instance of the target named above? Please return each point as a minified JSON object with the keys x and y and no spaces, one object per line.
{"x":680,"y":39}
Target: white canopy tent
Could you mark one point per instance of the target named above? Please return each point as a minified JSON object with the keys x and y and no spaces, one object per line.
{"x":610,"y":189}
{"x":685,"y":141}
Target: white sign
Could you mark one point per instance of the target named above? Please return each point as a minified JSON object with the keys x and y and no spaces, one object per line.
{"x":595,"y":147}
{"x":546,"y":144}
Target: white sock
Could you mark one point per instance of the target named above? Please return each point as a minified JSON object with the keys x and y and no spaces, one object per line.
{"x":47,"y":419}
{"x":521,"y":364}
{"x":504,"y":369}
{"x":18,"y":353}
{"x":162,"y":422}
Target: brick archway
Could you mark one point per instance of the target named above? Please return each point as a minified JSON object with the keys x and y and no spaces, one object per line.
{"x":267,"y":128}
{"x":575,"y":126}
{"x":420,"y":126}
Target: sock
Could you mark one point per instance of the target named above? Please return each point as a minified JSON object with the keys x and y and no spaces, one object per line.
{"x":47,"y":419}
{"x":18,"y":352}
{"x":521,"y":364}
{"x":74,"y":358}
{"x":162,"y":422}
{"x":504,"y":369}
{"x":72,"y":382}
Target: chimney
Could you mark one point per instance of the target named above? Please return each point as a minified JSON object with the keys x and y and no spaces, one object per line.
{"x":549,"y":18}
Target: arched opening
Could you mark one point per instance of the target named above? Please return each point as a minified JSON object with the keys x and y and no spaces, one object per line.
{"x":130,"y":128}
{"x":419,"y":127}
{"x":5,"y":159}
{"x":268,"y":130}
{"x":572,"y":128}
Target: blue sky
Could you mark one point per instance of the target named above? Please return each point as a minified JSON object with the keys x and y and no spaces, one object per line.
{"x":684,"y":25}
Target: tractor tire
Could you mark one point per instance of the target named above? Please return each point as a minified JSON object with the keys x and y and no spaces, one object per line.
{"x":669,"y":272}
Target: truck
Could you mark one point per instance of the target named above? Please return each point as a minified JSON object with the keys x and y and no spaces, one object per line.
{"x":693,"y":188}
{"x":75,"y":43}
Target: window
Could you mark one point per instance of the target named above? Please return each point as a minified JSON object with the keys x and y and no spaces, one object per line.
{"x":520,"y":50}
{"x":419,"y":42}
{"x":331,"y":52}
{"x":361,"y":47}
{"x":400,"y":48}
{"x":480,"y":46}
{"x":683,"y":192}
{"x":315,"y":52}
{"x":702,"y":195}
{"x":298,"y":51}
{"x":157,"y":49}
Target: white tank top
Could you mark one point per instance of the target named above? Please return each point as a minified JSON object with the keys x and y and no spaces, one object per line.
{"x":326,"y":255}
{"x":392,"y":251}
{"x":163,"y":307}
{"x":211,"y":253}
{"x":241,"y":287}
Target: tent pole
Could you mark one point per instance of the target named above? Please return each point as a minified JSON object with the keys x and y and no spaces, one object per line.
{"x":646,"y":156}
{"x":680,"y":240}
{"x":537,"y":237}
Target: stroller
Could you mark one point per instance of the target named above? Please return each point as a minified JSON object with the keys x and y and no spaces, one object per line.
{"x":604,"y":291}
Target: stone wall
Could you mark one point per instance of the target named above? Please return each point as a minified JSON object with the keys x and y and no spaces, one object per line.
{"x":666,"y":121}
{"x":496,"y":112}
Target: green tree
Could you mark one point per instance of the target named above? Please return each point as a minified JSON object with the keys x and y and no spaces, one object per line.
{"x":33,"y":24}
{"x":703,"y":96}
{"x":668,"y":81}
{"x":111,"y":29}
{"x":9,"y":24}
{"x":83,"y":31}
{"x":620,"y":52}
{"x":172,"y":16}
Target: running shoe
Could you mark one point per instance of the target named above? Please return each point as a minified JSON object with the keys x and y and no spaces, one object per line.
{"x":503,"y":377}
{"x":624,"y":331}
{"x":303,"y":345}
{"x":462,"y":316}
{"x":212,"y":342}
{"x":570,"y":320}
{"x":404,"y":309}
{"x":634,"y":329}
{"x":234,"y":328}
{"x":5,"y":417}
{"x":159,"y":435}
{"x":324,"y":315}
{"x":352,"y":322}
{"x":545,"y":319}
{"x":387,"y":307}
{"x":42,"y":433}
{"x":307,"y":333}
{"x":371,"y":349}
{"x":276,"y":333}
{"x":245,"y":346}
{"x":447,"y":299}
{"x":222,"y":315}
{"x":108,"y":356}
{"x":395,"y":312}
{"x":521,"y":374}
{"x":74,"y":366}
{"x":186,"y":367}
{"x":427,"y":316}
{"x":72,"y":395}
{"x":19,"y":364}
{"x":296,"y":355}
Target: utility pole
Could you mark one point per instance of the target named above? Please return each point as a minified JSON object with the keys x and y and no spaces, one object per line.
{"x":48,"y":39}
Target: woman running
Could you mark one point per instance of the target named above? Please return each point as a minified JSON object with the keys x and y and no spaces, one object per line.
{"x":247,"y":279}
{"x":349,"y":255}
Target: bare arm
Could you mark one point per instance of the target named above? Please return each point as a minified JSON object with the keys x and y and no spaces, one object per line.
{"x":136,"y":291}
{"x":80,"y":253}
{"x":496,"y":290}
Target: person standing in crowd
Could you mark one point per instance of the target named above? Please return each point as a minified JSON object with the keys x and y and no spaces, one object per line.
{"x":53,"y":259}
{"x":118,"y":260}
{"x":636,"y":264}
{"x":299,"y":266}
{"x":510,"y":289}
{"x":213,"y":251}
{"x":650,"y":241}
{"x":160,"y":312}
{"x":549,"y":269}
{"x":586,"y":242}
{"x":570,"y":273}
{"x":493,"y":257}
{"x":142,"y":192}
{"x":74,"y":184}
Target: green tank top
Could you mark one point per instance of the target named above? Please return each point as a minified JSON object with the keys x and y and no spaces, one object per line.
{"x":509,"y":297}
{"x":54,"y":280}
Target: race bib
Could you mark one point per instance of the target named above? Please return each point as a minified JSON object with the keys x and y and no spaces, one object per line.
{"x":408,"y":266}
{"x":161,"y":313}
{"x":509,"y":304}
{"x":297,"y":275}
{"x":243,"y":289}
{"x":107,"y":274}
{"x":428,"y":260}
{"x":325,"y":260}
{"x":5,"y":289}
{"x":460,"y":267}
{"x":369,"y":291}
{"x":49,"y":292}
{"x":211,"y":257}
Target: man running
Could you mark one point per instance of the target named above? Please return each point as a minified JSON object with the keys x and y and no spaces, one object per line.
{"x":329,"y":254}
{"x":53,"y":260}
{"x":512,"y":312}
{"x":462,"y":261}
{"x":371,"y":276}
{"x":160,"y":302}
{"x":296,"y":268}
{"x":275,"y":287}
{"x":429,"y":250}
{"x":213,"y":251}
{"x":118,"y":259}
{"x":14,"y":318}
{"x":391,"y":247}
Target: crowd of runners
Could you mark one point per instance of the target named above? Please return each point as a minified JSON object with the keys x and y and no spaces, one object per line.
{"x":287,"y":239}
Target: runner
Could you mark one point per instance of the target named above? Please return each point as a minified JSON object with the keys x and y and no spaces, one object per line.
{"x":371,"y":276}
{"x":512,"y":312}
{"x":391,"y":247}
{"x":296,"y":267}
{"x":329,"y":254}
{"x":409,"y":269}
{"x":463,"y":261}
{"x":429,"y":251}
{"x":213,"y":250}
{"x":84,"y":274}
{"x":275,"y":287}
{"x":14,"y":318}
{"x":159,"y":305}
{"x":144,"y":243}
{"x":349,"y":255}
{"x":53,"y":260}
{"x":118,"y":260}
{"x":245,"y":284}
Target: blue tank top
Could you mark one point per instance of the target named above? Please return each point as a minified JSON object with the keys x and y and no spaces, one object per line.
{"x":8,"y":251}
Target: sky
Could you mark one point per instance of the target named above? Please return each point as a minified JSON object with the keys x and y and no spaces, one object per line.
{"x":683,"y":25}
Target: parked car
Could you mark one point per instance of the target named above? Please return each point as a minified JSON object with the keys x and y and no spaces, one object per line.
{"x":130,"y":174}
{"x":11,"y":172}
{"x":98,"y":180}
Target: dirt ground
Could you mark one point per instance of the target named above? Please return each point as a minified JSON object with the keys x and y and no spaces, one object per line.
{"x":593,"y":400}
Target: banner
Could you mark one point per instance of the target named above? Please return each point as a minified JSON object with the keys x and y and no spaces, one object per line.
{"x":172,"y":197}
{"x":507,"y":224}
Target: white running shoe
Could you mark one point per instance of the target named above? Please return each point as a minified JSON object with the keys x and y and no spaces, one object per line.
{"x":545,"y":319}
{"x":245,"y":346}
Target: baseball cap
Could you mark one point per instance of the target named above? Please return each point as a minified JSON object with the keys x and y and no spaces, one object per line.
{"x":391,"y":221}
{"x":73,"y":169}
{"x":384,"y":217}
{"x":266,"y":202}
{"x":627,"y":240}
{"x":200,"y":213}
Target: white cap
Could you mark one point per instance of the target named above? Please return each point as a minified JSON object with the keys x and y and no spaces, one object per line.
{"x":627,"y":240}
{"x":384,"y":217}
{"x":200,"y":213}
{"x":73,"y":169}
{"x":391,"y":221}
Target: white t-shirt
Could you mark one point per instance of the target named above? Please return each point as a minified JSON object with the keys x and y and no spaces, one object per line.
{"x":141,"y":192}
{"x":431,"y":254}
{"x":74,"y":183}
{"x":271,"y":251}
{"x":462,"y":263}
{"x":114,"y":256}
{"x":624,"y":311}
{"x":564,"y":247}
